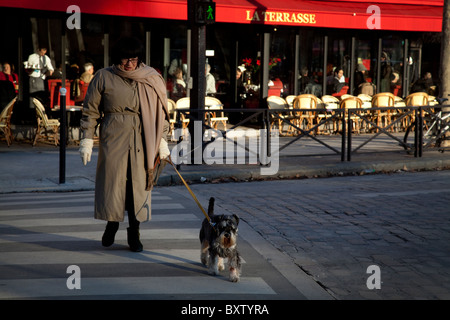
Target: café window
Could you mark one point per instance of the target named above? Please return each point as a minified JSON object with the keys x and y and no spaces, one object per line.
{"x":310,"y":63}
{"x":365,"y":66}
{"x":338,"y":58}
{"x":281,"y":64}
{"x":391,"y":65}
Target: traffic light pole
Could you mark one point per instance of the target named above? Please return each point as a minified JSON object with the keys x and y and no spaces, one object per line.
{"x":197,"y":98}
{"x":198,"y":17}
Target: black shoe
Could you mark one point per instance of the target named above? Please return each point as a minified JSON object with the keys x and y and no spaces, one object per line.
{"x":110,"y":233}
{"x":133,"y":239}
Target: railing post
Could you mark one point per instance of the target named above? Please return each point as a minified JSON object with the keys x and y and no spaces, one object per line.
{"x":416,"y":133}
{"x":349,"y":137}
{"x":62,"y":135}
{"x":343,"y":139}
{"x":269,"y":151}
{"x":420,"y":132}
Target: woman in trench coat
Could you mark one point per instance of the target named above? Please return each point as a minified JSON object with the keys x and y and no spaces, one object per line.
{"x":129,"y":102}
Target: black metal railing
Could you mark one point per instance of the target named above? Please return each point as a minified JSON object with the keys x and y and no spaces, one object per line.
{"x":342,"y":119}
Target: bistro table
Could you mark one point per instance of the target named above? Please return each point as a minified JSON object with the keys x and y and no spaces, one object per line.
{"x":70,"y":110}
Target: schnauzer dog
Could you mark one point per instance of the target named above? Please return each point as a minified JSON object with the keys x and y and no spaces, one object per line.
{"x":218,"y":240}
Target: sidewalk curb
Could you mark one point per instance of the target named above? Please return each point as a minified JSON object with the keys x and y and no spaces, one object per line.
{"x":290,"y":172}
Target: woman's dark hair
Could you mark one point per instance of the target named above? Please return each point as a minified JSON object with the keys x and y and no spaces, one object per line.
{"x":125,"y":48}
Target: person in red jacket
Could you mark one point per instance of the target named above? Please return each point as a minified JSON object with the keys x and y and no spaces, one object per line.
{"x":8,"y":75}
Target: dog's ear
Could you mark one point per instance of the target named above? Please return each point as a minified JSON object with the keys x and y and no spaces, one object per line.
{"x":211,"y":206}
{"x":236,"y":218}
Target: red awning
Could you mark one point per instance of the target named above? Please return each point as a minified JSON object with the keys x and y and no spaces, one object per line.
{"x":409,"y":15}
{"x":348,"y":14}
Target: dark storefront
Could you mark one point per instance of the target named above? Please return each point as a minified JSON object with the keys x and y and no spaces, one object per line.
{"x":282,"y":37}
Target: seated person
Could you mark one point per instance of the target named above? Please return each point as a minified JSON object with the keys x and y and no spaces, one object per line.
{"x":338,"y":81}
{"x":210,"y":81}
{"x":88,"y":73}
{"x":9,"y":75}
{"x":179,"y":86}
{"x":304,"y":80}
{"x":423,"y":84}
{"x":360,"y":76}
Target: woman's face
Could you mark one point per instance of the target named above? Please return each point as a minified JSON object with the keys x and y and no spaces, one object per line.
{"x":6,"y":68}
{"x":129,"y":64}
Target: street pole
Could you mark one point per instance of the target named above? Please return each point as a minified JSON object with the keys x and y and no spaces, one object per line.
{"x":62,"y":92}
{"x":197,"y":21}
{"x":445,"y":67}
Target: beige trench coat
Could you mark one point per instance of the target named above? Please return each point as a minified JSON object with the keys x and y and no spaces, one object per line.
{"x":115,"y":101}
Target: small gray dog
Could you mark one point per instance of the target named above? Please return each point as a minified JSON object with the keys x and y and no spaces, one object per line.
{"x":218,"y":240}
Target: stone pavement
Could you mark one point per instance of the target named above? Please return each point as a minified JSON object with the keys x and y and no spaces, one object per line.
{"x":334,"y":229}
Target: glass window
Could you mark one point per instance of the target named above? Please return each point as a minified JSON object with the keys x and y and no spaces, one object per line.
{"x":310,"y":64}
{"x":282,"y":52}
{"x":338,"y":64}
{"x":391,"y":65}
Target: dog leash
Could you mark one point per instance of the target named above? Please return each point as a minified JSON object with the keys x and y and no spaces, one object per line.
{"x":169,"y":160}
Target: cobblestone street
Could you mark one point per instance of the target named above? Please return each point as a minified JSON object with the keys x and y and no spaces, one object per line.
{"x":334,"y":228}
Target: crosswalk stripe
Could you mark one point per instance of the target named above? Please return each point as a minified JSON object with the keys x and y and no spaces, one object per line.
{"x":84,"y":200}
{"x":43,"y":196}
{"x":101,"y":256}
{"x":57,"y":287}
{"x":89,"y":221}
{"x":55,"y":195}
{"x":146,"y":234}
{"x":191,"y":256}
{"x":21,"y":212}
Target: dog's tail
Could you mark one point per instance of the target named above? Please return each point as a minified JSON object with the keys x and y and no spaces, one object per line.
{"x":211,"y":207}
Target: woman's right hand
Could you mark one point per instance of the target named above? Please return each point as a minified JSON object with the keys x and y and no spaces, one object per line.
{"x":86,"y":146}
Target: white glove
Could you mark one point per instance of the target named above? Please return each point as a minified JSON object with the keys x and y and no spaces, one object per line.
{"x":86,"y":149}
{"x":164,"y":151}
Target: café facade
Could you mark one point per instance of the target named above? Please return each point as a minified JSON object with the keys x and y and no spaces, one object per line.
{"x":276,"y":41}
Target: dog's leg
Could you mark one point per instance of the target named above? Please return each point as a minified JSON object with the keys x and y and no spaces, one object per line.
{"x":220,"y":264}
{"x":204,"y":252}
{"x":213,"y":264}
{"x":234,"y":265}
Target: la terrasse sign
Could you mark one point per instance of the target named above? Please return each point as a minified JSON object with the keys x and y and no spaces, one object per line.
{"x":284,"y":17}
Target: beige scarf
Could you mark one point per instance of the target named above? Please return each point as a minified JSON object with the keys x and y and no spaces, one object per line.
{"x":153,"y":105}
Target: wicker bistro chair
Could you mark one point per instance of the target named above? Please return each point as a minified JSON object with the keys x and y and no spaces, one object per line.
{"x":330,"y":103}
{"x":290,"y":100}
{"x":275,"y":102}
{"x":5,"y":121}
{"x":345,"y":96}
{"x":352,"y":103}
{"x":418,"y":99}
{"x":45,"y":126}
{"x":383,"y":100}
{"x":183,"y":104}
{"x":215,"y":107}
{"x":172,"y":117}
{"x":305,"y":101}
{"x":365,"y":112}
